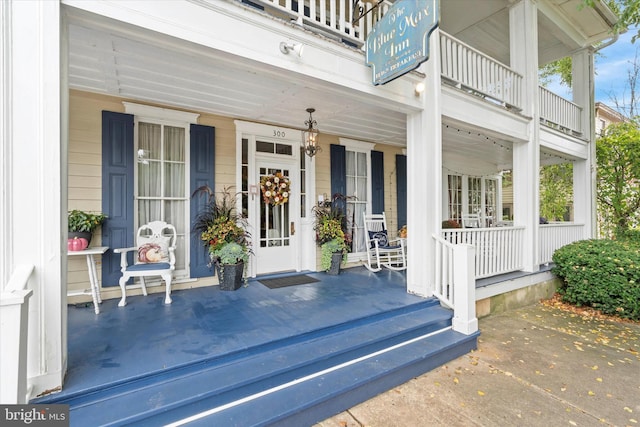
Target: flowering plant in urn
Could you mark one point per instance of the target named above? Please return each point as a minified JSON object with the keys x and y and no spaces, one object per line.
{"x":275,"y":188}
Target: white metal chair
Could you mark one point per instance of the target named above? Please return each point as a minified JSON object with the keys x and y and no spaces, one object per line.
{"x":382,"y":251}
{"x":155,"y":247}
{"x":470,"y":220}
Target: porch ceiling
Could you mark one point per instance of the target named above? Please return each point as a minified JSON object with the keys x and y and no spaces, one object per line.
{"x":112,"y":58}
{"x":470,"y":152}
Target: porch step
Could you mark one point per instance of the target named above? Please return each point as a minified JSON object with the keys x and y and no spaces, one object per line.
{"x":295,"y":381}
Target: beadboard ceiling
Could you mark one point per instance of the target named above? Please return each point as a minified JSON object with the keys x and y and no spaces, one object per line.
{"x":113,"y":58}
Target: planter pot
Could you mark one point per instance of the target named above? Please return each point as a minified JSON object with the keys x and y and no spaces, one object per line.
{"x":84,"y":234}
{"x":336,"y":260}
{"x":230,"y":276}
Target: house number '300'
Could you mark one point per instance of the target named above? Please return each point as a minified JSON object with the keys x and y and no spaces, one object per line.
{"x":279,"y":133}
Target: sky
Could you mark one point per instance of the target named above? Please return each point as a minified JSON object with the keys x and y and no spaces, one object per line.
{"x":612,"y":67}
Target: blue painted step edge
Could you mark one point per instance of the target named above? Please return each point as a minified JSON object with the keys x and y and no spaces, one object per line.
{"x":319,"y":398}
{"x":258,"y":372}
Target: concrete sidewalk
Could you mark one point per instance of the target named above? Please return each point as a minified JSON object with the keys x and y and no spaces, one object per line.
{"x":536,"y":366}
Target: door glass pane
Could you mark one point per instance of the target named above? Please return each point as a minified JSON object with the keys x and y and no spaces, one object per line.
{"x":274,"y":220}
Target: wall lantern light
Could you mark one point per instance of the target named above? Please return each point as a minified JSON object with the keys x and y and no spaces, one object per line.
{"x":310,"y":135}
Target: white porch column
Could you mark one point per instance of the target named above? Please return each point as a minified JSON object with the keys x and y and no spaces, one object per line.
{"x":424,"y":177}
{"x":523,"y":35}
{"x":584,"y":171}
{"x":33,"y":224}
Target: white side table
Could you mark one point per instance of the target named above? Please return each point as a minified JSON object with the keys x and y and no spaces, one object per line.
{"x":93,"y":274}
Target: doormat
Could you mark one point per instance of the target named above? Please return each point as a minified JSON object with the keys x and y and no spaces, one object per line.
{"x":281,"y":282}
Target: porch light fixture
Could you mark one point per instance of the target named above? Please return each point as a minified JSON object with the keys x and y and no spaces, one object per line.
{"x":419,"y":88}
{"x":310,"y":135}
{"x":297,"y":48}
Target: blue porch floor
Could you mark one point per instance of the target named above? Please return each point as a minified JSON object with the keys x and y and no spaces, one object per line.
{"x":256,"y":356}
{"x":146,"y":335}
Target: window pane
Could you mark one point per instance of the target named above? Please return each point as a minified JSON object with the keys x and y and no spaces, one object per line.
{"x":264,"y":147}
{"x":245,"y":151}
{"x":361,"y":193}
{"x":351,"y":163}
{"x":362,"y":164}
{"x":149,"y":210}
{"x":351,"y":186}
{"x":149,"y":139}
{"x":174,"y":180}
{"x":284,"y":149}
{"x":149,"y":182}
{"x":174,"y":144}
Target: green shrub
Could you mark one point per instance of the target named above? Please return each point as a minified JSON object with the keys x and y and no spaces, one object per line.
{"x":630,"y":236}
{"x":603,"y":274}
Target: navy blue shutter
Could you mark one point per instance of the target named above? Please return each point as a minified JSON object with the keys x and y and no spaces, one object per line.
{"x":202,"y":172}
{"x":401,"y":188}
{"x":339,"y":174}
{"x":377,"y":182}
{"x":117,"y":190}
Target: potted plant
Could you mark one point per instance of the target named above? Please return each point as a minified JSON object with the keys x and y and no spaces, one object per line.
{"x":330,"y":227}
{"x":451,"y":223}
{"x":223,"y":231}
{"x":82,"y":225}
{"x":332,"y":255}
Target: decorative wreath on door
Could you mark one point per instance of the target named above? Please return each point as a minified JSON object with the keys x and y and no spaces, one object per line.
{"x":275,"y":188}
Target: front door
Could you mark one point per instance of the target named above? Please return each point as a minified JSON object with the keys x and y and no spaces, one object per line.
{"x":276,"y":246}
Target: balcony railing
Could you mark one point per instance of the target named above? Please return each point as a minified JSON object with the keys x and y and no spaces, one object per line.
{"x":559,"y":113}
{"x":335,"y":18}
{"x":477,"y":73}
{"x":461,"y":65}
{"x":498,"y":250}
{"x":555,"y":236}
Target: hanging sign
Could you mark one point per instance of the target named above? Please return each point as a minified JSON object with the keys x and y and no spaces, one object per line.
{"x":399,"y":42}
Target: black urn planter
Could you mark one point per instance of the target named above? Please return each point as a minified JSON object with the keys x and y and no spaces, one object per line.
{"x":336,"y":260}
{"x":230,"y":276}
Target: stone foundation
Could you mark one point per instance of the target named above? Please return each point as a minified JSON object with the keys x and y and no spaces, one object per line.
{"x":516,"y":298}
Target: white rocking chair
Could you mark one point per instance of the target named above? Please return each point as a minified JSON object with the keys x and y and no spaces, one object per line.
{"x":382,"y":251}
{"x":470,"y":220}
{"x":155,"y":246}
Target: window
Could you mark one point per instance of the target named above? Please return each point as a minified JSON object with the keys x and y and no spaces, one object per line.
{"x":357,"y":195}
{"x":161,"y":183}
{"x":471,"y":195}
{"x":161,"y":191}
{"x":455,"y":197}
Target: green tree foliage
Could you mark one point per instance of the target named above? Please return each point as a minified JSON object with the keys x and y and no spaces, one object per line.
{"x":556,"y":190}
{"x":618,"y":156}
{"x":560,"y":68}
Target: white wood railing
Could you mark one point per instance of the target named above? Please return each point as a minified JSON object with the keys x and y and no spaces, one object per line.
{"x":454,"y":283}
{"x":559,"y":113}
{"x":497,"y":250}
{"x":470,"y":69}
{"x":14,"y":318}
{"x":555,"y":236}
{"x":443,"y":272}
{"x":334,"y":17}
